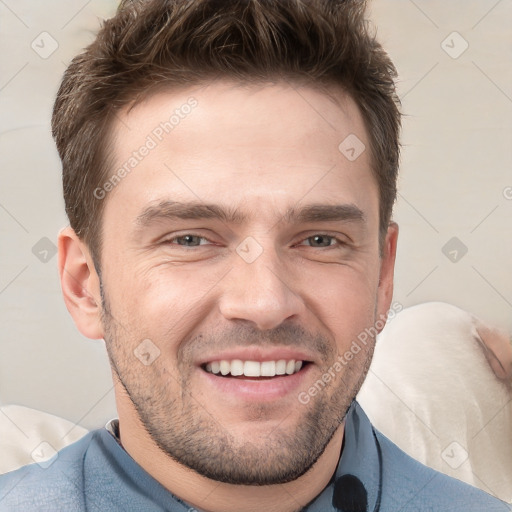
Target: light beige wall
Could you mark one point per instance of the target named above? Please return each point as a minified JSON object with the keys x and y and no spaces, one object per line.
{"x":457,"y":155}
{"x":456,"y":181}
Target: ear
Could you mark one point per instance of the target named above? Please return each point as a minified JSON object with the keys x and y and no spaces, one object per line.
{"x":387,"y":272}
{"x":80,"y":284}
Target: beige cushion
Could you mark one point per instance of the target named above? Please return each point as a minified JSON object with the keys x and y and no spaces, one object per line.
{"x":432,"y":391}
{"x":28,"y":436}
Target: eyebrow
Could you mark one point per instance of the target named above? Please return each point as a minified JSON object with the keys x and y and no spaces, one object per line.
{"x":175,"y":210}
{"x":325,"y":212}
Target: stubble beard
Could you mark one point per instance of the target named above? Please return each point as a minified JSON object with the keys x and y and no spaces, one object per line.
{"x":180,"y":424}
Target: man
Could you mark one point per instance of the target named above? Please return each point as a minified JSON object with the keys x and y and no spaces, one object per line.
{"x":229,"y":172}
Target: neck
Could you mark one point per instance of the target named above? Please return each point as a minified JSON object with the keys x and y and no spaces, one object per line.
{"x":213,"y":496}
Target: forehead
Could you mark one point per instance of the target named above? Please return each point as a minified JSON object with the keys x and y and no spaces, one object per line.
{"x":242,"y":144}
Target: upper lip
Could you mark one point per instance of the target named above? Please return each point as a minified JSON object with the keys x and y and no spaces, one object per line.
{"x":258,"y":354}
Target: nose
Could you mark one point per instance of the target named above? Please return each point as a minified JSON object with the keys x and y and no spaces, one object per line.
{"x":260,"y":292}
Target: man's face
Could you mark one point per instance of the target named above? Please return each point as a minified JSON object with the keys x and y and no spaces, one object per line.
{"x":244,"y":240}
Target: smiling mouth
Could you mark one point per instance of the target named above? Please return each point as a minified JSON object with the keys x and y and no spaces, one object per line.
{"x":254,"y":369}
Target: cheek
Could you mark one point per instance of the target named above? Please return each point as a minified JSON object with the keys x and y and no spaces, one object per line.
{"x":345,"y":301}
{"x":163,"y":302}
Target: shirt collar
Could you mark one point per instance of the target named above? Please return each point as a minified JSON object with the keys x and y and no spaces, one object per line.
{"x":112,"y":427}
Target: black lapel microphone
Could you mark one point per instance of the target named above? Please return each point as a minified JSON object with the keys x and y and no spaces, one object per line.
{"x":349,"y":495}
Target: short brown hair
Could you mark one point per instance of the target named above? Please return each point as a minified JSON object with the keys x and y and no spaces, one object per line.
{"x":155,"y":43}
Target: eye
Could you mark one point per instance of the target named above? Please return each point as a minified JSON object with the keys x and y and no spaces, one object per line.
{"x":188,"y":240}
{"x":321,"y":240}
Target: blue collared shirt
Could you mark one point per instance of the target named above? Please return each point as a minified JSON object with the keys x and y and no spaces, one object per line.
{"x":373,"y":475}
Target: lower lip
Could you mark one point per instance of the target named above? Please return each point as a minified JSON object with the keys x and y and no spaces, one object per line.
{"x":258,"y":390}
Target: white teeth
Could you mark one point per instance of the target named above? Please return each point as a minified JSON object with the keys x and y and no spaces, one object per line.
{"x":254,"y":368}
{"x":237,"y":367}
{"x":290,"y":367}
{"x":225,"y":367}
{"x":280,"y":367}
{"x":268,"y":368}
